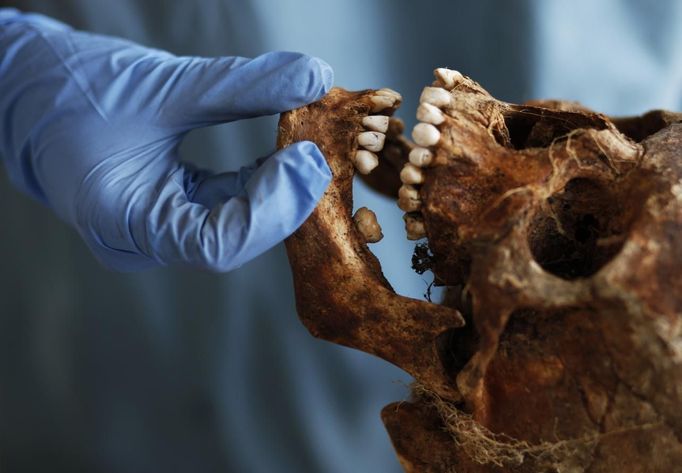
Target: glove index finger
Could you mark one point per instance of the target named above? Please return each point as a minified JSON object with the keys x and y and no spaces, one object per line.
{"x":225,"y":89}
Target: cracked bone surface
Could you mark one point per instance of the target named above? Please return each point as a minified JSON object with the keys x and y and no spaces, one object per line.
{"x":556,"y":232}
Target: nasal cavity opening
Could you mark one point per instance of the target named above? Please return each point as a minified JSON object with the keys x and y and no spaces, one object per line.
{"x":535,"y":127}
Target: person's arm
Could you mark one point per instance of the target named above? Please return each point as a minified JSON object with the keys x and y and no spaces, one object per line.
{"x":90,"y":125}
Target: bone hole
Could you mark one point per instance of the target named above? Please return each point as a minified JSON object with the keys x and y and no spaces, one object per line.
{"x":528,"y":127}
{"x":579,"y":230}
{"x":455,"y":347}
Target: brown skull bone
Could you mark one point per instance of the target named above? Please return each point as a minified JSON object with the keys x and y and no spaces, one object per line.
{"x":556,"y":231}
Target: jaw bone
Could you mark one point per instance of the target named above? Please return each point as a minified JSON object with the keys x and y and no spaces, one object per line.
{"x":352,"y":303}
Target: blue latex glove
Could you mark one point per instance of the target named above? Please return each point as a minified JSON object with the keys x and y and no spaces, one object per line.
{"x":90,"y":125}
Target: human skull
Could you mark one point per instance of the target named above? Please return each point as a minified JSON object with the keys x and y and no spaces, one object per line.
{"x":556,"y":231}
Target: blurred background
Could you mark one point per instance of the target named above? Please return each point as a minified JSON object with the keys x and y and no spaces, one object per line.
{"x":181,"y":370}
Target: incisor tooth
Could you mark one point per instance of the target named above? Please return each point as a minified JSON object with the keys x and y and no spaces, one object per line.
{"x":425,"y":134}
{"x":376,"y":123}
{"x":430,"y":114}
{"x":435,"y":96}
{"x":410,"y":174}
{"x":382,"y":102}
{"x":365,"y":161}
{"x":389,"y":93}
{"x":421,"y":157}
{"x":414,"y":226}
{"x":448,"y":77}
{"x":366,"y":222}
{"x":372,"y":140}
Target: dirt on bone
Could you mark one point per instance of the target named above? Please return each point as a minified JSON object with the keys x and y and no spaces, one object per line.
{"x":559,"y":228}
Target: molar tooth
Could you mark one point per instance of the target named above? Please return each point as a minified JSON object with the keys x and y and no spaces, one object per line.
{"x":421,"y":157}
{"x":366,"y":222}
{"x":425,"y":134}
{"x":448,"y":77}
{"x":372,"y":140}
{"x":408,"y":198}
{"x":411,"y":174}
{"x":407,"y":205}
{"x":407,"y":191}
{"x":435,"y":96}
{"x":430,"y":114}
{"x":365,"y":161}
{"x":382,"y":102}
{"x":376,"y":123}
{"x":414,"y":226}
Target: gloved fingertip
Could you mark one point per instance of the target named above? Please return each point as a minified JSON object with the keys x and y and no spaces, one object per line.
{"x":278,"y":197}
{"x":313,"y":77}
{"x":326,"y":74}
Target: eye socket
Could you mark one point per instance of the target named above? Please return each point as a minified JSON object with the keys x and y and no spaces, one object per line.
{"x":580,"y":229}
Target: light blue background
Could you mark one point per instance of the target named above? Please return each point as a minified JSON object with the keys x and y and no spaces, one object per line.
{"x":178,"y":370}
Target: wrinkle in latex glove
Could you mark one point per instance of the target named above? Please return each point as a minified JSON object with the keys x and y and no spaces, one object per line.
{"x":90,"y":125}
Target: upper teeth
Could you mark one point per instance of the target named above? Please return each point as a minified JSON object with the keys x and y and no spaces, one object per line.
{"x":448,"y":77}
{"x":435,"y":96}
{"x":410,"y":174}
{"x":408,"y":192}
{"x":421,"y":157}
{"x":408,"y":198}
{"x":430,"y":114}
{"x":425,"y":134}
{"x":414,"y":226}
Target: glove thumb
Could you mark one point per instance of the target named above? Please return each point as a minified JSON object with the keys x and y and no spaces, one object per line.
{"x":278,"y":197}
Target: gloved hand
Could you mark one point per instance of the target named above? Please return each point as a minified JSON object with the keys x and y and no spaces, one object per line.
{"x":90,"y":125}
